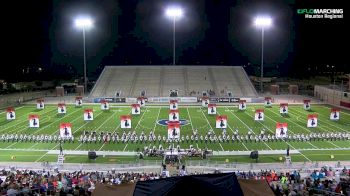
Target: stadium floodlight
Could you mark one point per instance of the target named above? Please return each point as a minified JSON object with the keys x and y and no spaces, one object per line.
{"x":174,"y":13}
{"x":262,"y":23}
{"x":84,"y":23}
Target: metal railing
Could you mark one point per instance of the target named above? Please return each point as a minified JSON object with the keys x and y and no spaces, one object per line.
{"x":195,"y":165}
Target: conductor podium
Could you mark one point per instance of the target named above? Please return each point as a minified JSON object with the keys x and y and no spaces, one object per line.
{"x":288,"y":160}
{"x":60,"y":159}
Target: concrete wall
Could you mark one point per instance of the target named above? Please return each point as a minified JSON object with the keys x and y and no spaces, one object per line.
{"x":332,"y":96}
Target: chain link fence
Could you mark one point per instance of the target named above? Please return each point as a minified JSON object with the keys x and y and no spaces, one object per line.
{"x":16,"y":99}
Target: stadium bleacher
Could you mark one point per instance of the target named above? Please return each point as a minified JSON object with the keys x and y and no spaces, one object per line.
{"x":159,"y":80}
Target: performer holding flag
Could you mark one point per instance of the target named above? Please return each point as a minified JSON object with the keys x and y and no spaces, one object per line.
{"x":221,"y":122}
{"x":242,"y":105}
{"x":135,"y":109}
{"x":173,"y":105}
{"x":312,"y":120}
{"x":284,"y":108}
{"x":211,"y":109}
{"x":268,"y":102}
{"x":307,"y":105}
{"x":259,"y":115}
{"x":335,"y":114}
{"x":10,"y":114}
{"x":78,"y":101}
{"x":34,"y":120}
{"x":125,"y":122}
{"x":205,"y":102}
{"x":104,"y":105}
{"x":174,"y":115}
{"x":88,"y":115}
{"x":281,"y":130}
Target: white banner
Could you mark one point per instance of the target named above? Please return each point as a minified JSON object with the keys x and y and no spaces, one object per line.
{"x":10,"y":114}
{"x":88,"y":114}
{"x":312,"y":120}
{"x":61,"y":108}
{"x":34,"y":121}
{"x":221,"y":122}
{"x":125,"y":122}
{"x":135,"y":109}
{"x":259,"y":115}
{"x":66,"y":130}
{"x":212,"y":109}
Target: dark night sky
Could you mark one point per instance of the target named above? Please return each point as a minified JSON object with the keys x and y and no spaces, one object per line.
{"x":41,"y":33}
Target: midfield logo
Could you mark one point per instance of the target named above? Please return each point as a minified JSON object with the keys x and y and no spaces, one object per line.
{"x":165,"y":122}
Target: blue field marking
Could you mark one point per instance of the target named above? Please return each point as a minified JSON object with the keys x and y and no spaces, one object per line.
{"x":165,"y":122}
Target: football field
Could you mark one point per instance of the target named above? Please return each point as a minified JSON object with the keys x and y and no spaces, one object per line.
{"x":195,"y":117}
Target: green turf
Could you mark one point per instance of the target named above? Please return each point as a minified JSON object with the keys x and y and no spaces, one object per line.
{"x":108,"y":121}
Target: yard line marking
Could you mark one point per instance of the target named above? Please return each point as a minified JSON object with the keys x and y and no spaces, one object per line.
{"x":40,"y":157}
{"x":22,"y":121}
{"x":334,"y":144}
{"x":78,"y":117}
{"x":329,"y":124}
{"x":15,"y":108}
{"x":233,"y":132}
{"x":293,"y":122}
{"x":138,"y":123}
{"x":299,"y":151}
{"x":103,"y":124}
{"x":11,"y":145}
{"x":78,"y":146}
{"x":85,"y":123}
{"x":96,"y":129}
{"x":291,"y":130}
{"x":312,"y":145}
{"x":41,"y":128}
{"x":118,"y":128}
{"x":207,"y":121}
{"x":189,"y":116}
{"x":227,"y":124}
{"x":34,"y":145}
{"x":244,"y":146}
{"x":221,"y":147}
{"x":267,"y":145}
{"x":320,"y":128}
{"x":45,"y":154}
{"x":248,"y":127}
{"x":155,"y":123}
{"x":211,"y":128}
{"x":125,"y":146}
{"x":340,"y":110}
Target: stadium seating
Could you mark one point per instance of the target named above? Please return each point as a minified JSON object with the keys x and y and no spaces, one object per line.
{"x":158,"y":80}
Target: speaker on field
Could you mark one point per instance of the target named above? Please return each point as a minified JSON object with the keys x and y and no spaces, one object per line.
{"x":254,"y":154}
{"x":92,"y":155}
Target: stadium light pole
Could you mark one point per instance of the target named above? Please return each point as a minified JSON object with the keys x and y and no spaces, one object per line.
{"x":174,"y":13}
{"x":262,"y":23}
{"x":84,"y":23}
